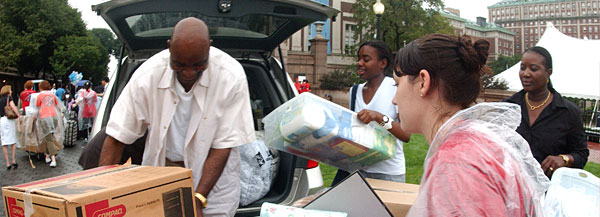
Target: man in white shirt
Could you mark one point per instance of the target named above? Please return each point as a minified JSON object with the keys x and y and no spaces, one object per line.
{"x":193,"y":99}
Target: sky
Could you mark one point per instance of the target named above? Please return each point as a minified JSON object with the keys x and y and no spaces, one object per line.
{"x":89,"y":17}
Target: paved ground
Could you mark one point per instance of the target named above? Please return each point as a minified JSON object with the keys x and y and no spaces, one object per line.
{"x":594,"y":152}
{"x":66,"y":163}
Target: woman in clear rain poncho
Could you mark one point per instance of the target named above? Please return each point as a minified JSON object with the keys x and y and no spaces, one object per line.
{"x":86,"y":97}
{"x":477,"y":165}
{"x":49,"y":124}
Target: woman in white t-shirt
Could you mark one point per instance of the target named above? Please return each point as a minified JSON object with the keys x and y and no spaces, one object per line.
{"x":372,"y":101}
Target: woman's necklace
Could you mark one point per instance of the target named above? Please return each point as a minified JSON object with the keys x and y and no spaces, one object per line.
{"x":537,"y":106}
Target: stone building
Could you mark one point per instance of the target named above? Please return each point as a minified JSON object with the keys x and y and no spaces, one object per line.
{"x":501,"y":39}
{"x":528,"y":18}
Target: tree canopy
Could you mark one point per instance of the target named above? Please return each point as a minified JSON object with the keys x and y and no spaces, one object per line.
{"x":107,"y":39}
{"x":401,"y":22}
{"x":503,"y":63}
{"x":47,"y":36}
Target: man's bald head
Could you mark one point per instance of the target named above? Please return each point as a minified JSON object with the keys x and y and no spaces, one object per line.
{"x":189,"y":47}
{"x":190,"y":31}
{"x":191,"y":28}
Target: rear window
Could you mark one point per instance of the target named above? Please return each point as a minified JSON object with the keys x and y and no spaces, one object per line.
{"x":161,"y":24}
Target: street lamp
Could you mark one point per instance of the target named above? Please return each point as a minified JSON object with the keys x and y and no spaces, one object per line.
{"x":378,"y":8}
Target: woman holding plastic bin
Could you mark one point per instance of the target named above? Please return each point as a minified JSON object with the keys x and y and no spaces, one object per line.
{"x":477,"y":164}
{"x":372,"y":102}
{"x":551,"y":125}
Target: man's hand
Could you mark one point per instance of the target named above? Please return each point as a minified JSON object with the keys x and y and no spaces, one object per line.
{"x":551,"y":163}
{"x":111,"y":151}
{"x":366,"y":116}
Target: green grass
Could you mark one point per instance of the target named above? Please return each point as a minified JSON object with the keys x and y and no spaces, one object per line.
{"x":593,"y":168}
{"x":415,"y":151}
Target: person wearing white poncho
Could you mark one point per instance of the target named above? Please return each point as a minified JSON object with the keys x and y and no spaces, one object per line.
{"x":477,"y":165}
{"x":87,"y":111}
{"x":49,"y":122}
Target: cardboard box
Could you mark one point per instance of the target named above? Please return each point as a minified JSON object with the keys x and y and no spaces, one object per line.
{"x":397,"y":197}
{"x":111,"y":191}
{"x":367,"y":197}
{"x":317,"y":129}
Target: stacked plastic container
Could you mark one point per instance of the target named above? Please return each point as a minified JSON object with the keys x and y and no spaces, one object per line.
{"x":317,"y":129}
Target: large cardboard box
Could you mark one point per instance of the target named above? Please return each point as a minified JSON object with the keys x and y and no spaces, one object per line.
{"x":397,"y":197}
{"x":367,"y":197}
{"x":317,"y":129}
{"x":111,"y":191}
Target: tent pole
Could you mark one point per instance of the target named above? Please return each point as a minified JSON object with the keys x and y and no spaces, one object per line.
{"x":593,"y":113}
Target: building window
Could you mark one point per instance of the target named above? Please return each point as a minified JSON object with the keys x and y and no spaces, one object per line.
{"x":595,"y":29}
{"x":584,"y":30}
{"x":349,"y":41}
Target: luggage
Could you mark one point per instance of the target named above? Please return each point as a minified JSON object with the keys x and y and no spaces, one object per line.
{"x":71,"y":131}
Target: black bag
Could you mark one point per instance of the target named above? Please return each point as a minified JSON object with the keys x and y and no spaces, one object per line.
{"x":10,"y":114}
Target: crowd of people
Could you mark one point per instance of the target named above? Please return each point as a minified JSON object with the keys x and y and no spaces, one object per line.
{"x":484,"y":159}
{"x":40,"y":117}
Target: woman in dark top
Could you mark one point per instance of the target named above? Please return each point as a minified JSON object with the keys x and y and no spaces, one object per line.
{"x":551,"y":124}
{"x":8,"y":131}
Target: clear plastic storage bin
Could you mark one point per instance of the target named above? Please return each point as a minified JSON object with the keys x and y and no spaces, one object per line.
{"x":314,"y":128}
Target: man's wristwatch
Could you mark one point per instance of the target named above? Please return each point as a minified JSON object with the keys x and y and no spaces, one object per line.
{"x":202,"y":199}
{"x":386,"y":122}
{"x":565,"y":158}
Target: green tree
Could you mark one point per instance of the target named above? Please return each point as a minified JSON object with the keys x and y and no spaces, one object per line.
{"x":503,"y":63}
{"x":339,"y":79}
{"x":402,"y":21}
{"x":80,"y":53}
{"x":28,"y":29}
{"x":107,"y":39}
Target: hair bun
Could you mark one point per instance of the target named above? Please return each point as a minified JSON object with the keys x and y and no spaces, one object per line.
{"x":475,"y":55}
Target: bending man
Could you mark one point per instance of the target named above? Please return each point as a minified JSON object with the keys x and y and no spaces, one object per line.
{"x":193,"y":100}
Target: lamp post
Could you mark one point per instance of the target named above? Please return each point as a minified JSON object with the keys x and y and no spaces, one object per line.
{"x":378,"y":8}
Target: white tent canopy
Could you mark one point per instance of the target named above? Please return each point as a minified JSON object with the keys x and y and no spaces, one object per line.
{"x":575,"y":63}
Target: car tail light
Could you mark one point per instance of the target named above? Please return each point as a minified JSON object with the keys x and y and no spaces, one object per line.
{"x":311,"y":164}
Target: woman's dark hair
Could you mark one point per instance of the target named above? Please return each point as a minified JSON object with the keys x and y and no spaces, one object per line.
{"x":454,"y":64}
{"x":547,"y":59}
{"x":87,"y":85}
{"x":544,"y":53}
{"x":383,"y":51}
